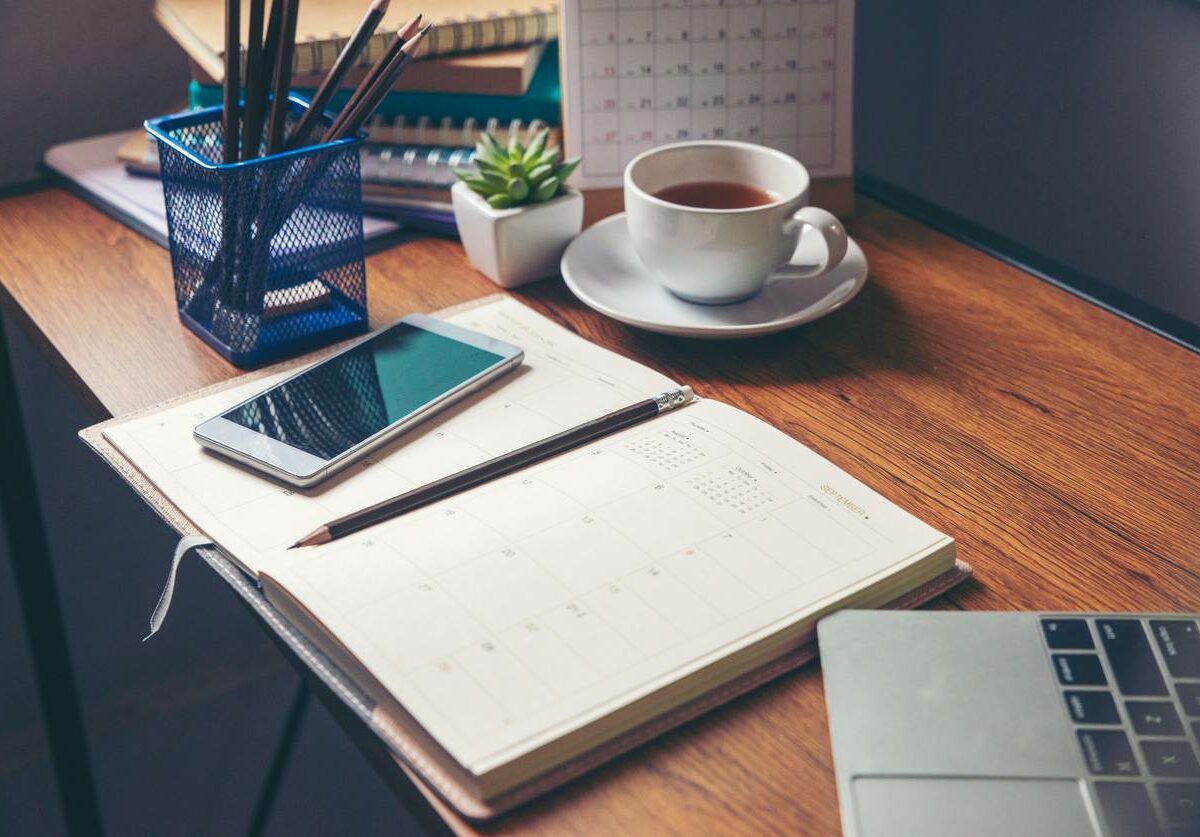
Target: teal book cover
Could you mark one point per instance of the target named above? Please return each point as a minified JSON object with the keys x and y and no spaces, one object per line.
{"x":541,"y":100}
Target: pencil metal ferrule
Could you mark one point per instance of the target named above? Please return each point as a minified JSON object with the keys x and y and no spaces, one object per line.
{"x":673,"y":398}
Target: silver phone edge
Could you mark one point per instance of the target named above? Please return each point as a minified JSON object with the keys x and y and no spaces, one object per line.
{"x":344,"y":460}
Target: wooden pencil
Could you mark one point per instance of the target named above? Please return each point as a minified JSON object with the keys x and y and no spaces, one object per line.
{"x":497,"y":467}
{"x":254,"y":80}
{"x":256,"y":99}
{"x":233,"y":83}
{"x":277,"y":121}
{"x":402,"y":35}
{"x":370,"y":100}
{"x":273,"y":211}
{"x":345,"y":60}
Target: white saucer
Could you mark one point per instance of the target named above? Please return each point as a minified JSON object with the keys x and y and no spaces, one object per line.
{"x":601,"y":268}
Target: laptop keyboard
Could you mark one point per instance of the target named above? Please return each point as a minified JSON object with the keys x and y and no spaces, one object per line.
{"x":1131,"y":687}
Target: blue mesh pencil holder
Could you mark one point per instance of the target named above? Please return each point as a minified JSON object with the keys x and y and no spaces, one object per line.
{"x":267,"y":254}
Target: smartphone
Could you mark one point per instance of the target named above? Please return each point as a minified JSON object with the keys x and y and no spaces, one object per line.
{"x":321,"y":419}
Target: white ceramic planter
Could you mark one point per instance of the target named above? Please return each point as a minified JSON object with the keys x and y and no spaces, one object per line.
{"x":515,"y":246}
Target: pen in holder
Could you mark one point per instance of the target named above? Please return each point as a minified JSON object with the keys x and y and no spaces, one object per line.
{"x":267,"y":253}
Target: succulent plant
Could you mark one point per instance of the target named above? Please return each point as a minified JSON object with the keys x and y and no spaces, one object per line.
{"x":515,"y":175}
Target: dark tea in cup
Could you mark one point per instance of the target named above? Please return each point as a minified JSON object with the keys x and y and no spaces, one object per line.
{"x":715,"y":194}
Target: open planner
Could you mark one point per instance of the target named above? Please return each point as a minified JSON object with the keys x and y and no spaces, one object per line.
{"x":520,"y":632}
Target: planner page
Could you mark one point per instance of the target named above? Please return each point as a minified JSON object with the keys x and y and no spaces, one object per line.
{"x":563,"y":382}
{"x":507,"y":616}
{"x":642,"y":73}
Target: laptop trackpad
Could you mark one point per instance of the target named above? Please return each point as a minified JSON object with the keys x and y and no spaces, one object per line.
{"x":950,"y":807}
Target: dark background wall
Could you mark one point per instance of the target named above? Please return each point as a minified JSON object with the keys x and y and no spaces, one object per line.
{"x":1071,"y":127}
{"x":77,"y":68}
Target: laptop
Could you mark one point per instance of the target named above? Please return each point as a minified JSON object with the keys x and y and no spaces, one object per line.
{"x":1032,"y":724}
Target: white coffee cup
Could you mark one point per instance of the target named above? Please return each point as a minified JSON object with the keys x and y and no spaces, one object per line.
{"x":718,"y":256}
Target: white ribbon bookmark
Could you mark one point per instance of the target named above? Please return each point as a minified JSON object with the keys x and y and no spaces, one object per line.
{"x":186,"y":544}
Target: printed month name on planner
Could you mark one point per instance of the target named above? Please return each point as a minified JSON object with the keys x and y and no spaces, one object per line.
{"x":643,"y":73}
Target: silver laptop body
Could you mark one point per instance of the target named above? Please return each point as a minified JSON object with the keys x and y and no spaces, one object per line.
{"x":1039,"y":725}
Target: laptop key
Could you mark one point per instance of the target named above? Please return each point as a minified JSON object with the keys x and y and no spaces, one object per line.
{"x":1189,"y":696}
{"x":1079,"y":670}
{"x":1180,"y":802}
{"x":1171,"y":759}
{"x":1067,"y":634}
{"x":1127,"y":809}
{"x":1092,"y":707}
{"x":1107,"y":752}
{"x":1179,"y":642}
{"x":1154,"y":717}
{"x":1130,"y":656}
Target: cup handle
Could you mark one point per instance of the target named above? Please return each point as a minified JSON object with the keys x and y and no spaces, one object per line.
{"x":830,"y":228}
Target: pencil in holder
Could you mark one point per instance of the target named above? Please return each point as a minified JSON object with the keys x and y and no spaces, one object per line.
{"x":267,"y":254}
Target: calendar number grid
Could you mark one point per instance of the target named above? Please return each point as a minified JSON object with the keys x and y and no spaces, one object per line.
{"x":675,"y":70}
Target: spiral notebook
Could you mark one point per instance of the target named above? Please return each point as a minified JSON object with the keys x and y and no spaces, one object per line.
{"x":505,"y":72}
{"x":90,"y":169}
{"x":321,"y":30}
{"x":400,"y":152}
{"x":526,"y":630}
{"x":407,"y":165}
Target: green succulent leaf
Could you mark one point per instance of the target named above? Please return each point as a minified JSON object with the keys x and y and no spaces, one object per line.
{"x":536,"y":147}
{"x":489,"y":142}
{"x":518,"y":189}
{"x":489,"y":154}
{"x":478,"y":184}
{"x":539,"y":174}
{"x":498,"y":181}
{"x":564,"y":171}
{"x":514,"y":175}
{"x":546,"y":190}
{"x":488,"y":167}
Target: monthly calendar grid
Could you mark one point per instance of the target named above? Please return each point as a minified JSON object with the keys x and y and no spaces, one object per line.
{"x":647,"y":72}
{"x":695,"y":472}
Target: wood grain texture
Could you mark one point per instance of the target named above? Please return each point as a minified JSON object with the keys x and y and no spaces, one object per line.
{"x":1058,"y":443}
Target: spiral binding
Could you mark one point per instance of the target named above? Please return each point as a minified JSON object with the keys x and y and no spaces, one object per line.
{"x":316,"y":53}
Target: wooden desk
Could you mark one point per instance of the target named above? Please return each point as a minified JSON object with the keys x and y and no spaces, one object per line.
{"x":1058,"y":443}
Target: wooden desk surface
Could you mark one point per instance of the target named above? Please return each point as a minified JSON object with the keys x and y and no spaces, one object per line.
{"x":1058,"y":443}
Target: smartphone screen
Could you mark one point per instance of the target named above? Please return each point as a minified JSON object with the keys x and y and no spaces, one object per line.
{"x":345,"y":400}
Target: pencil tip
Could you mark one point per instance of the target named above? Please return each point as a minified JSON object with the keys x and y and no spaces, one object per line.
{"x":405,"y":31}
{"x":416,"y":39}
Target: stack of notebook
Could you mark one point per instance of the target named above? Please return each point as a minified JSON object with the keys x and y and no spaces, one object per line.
{"x":485,"y":65}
